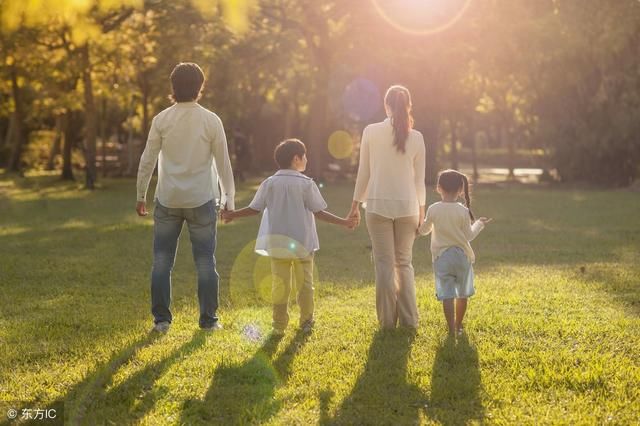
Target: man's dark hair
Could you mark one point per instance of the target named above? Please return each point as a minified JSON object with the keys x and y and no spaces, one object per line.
{"x":187,"y":81}
{"x":286,"y":150}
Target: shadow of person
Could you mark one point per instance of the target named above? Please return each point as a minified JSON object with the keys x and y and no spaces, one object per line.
{"x":139,"y":393}
{"x":455,"y":383}
{"x":77,"y":400}
{"x":283,"y":362}
{"x":382,"y":387}
{"x":244,"y":393}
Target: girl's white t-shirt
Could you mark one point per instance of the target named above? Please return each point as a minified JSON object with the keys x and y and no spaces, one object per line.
{"x":450,"y":226}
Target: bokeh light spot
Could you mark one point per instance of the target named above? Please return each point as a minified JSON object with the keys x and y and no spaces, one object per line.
{"x":340,"y":144}
{"x":251,"y":332}
{"x":361,"y":99}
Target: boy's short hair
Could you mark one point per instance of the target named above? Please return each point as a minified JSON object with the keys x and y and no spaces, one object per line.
{"x":187,"y":81}
{"x":286,"y":150}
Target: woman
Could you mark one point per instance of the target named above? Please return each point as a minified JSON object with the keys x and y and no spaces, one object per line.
{"x":391,"y":183}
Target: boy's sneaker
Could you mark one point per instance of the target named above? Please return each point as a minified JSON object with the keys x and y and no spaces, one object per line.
{"x":307,"y":326}
{"x":277,"y":332}
{"x":212,"y":327}
{"x":161,"y":327}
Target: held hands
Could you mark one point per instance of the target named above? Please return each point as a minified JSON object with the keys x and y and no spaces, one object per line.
{"x":354,"y":216}
{"x":421,"y":217}
{"x":226,"y":215}
{"x":351,"y":222}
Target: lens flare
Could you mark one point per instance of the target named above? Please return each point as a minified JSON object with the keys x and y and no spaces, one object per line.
{"x":340,"y":145}
{"x":252,"y":332}
{"x":361,"y":99}
{"x":250,"y":278}
{"x":421,"y":17}
{"x":251,"y":282}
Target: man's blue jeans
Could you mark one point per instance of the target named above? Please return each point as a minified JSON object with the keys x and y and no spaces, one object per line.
{"x":201,"y":222}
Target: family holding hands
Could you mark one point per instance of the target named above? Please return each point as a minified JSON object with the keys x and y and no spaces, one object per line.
{"x":189,"y":144}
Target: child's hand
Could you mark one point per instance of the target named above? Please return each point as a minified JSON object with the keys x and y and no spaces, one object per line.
{"x":485,"y":220}
{"x":352,"y":222}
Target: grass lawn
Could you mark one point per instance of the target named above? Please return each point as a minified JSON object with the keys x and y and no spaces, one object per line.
{"x":552,"y":334}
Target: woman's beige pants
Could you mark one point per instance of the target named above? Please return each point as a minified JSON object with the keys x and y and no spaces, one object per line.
{"x":392,"y":242}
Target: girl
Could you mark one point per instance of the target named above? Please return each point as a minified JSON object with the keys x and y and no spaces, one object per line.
{"x":449,"y":223}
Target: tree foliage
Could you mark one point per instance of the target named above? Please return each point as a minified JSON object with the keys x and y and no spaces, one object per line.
{"x":559,"y":76}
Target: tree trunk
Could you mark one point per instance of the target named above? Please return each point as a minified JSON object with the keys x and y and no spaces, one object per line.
{"x":431,"y":130}
{"x":67,"y":148}
{"x":453,"y":126}
{"x":8,"y":137}
{"x":18,"y":130}
{"x":55,"y":148}
{"x":508,"y":141}
{"x":471,"y":137}
{"x":145,"y":113}
{"x":511,"y":159}
{"x":288,"y":122}
{"x":103,"y":134}
{"x":474,"y":157}
{"x":131,"y":161}
{"x":317,"y":133}
{"x":3,"y":135}
{"x":317,"y":128}
{"x":90,"y":120}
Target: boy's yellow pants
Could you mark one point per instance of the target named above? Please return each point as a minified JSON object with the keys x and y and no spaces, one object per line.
{"x":284,"y":273}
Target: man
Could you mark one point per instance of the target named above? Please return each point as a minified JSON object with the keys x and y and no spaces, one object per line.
{"x":191,"y":146}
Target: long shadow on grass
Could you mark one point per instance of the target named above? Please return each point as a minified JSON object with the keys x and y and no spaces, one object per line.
{"x":455,"y":384}
{"x":617,"y":283}
{"x":382,"y":395}
{"x":244,"y":393}
{"x":136,"y":396}
{"x":81,"y":396}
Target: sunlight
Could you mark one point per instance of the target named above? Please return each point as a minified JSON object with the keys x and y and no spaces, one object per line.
{"x":421,"y":17}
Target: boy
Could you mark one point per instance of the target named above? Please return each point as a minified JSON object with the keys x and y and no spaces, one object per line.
{"x":188,"y":139}
{"x":289,"y":201}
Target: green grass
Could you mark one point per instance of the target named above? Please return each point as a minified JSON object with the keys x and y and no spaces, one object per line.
{"x":553,"y":331}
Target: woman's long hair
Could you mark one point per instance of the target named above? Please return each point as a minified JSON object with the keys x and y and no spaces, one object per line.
{"x":398,"y":101}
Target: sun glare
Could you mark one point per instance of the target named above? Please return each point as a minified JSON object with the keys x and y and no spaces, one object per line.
{"x":421,"y":17}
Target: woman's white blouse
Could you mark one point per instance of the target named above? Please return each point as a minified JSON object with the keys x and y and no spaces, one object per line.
{"x":390,"y":182}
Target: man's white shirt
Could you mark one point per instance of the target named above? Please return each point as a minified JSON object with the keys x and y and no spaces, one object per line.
{"x":190,"y":146}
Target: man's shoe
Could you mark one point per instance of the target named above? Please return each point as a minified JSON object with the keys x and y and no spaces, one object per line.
{"x":212,"y":327}
{"x":161,"y":327}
